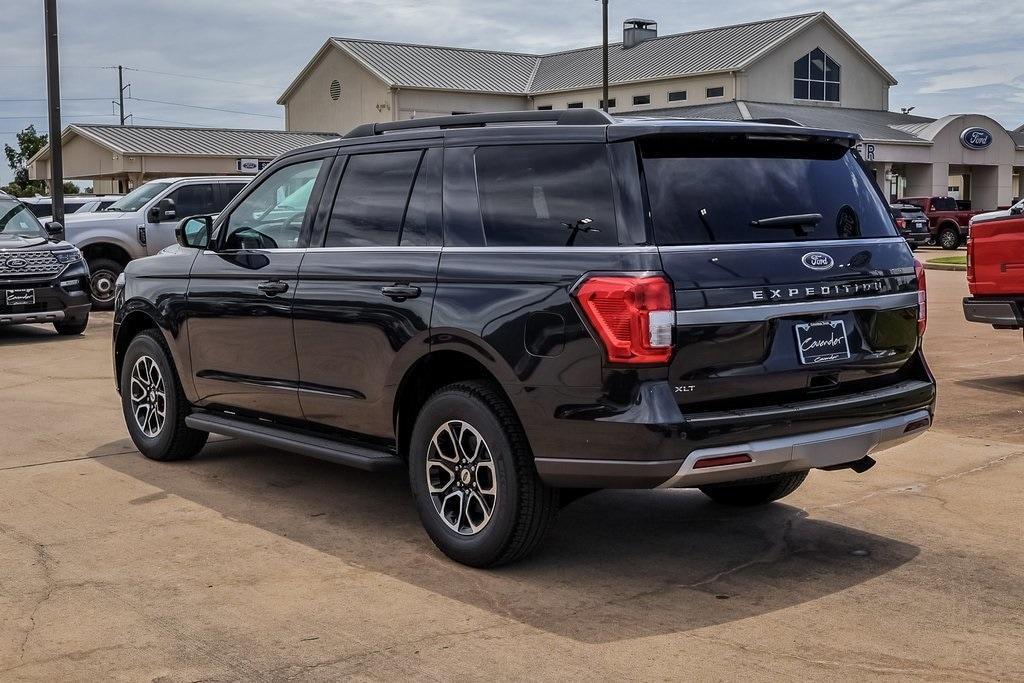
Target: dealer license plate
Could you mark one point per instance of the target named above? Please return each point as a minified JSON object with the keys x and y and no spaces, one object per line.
{"x":822,"y":342}
{"x":20,"y":297}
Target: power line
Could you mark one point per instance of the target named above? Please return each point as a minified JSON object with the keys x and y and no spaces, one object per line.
{"x":43,"y":99}
{"x":196,"y":106}
{"x":44,"y":117}
{"x":200,"y":78}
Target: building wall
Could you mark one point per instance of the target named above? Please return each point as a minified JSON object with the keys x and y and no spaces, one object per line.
{"x":695,"y":88}
{"x":770,"y":79}
{"x":364,"y":97}
{"x":424,"y":103}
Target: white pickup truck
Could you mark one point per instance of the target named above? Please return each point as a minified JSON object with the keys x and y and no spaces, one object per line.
{"x":142,"y":223}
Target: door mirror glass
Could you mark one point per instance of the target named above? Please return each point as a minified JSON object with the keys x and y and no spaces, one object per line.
{"x":54,"y":229}
{"x":194,"y":232}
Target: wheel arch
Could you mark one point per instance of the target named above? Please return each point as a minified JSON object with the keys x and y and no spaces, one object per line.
{"x":129,"y":327}
{"x":110,"y":250}
{"x":428,"y":374}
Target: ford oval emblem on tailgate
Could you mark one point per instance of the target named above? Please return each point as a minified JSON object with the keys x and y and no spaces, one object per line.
{"x":816,"y":260}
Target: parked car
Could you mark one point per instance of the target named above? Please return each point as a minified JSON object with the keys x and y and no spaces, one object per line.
{"x":140,"y":224}
{"x":588,"y":303}
{"x":995,"y":272}
{"x":948,"y":223}
{"x":42,"y":280}
{"x":42,"y":207}
{"x":912,"y":224}
{"x":1015,"y":210}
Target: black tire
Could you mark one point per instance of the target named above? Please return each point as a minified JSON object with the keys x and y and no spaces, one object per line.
{"x":523,"y":509}
{"x":70,"y":328}
{"x":949,"y":238}
{"x":103,"y":274}
{"x":755,"y":491}
{"x":173,"y":440}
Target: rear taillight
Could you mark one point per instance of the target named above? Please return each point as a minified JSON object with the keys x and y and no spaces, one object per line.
{"x":922,"y":298}
{"x":632,"y":315}
{"x":901,"y":223}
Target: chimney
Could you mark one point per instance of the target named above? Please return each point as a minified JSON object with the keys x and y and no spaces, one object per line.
{"x":636,"y":31}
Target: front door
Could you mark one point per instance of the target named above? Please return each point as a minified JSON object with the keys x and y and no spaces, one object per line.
{"x":362,"y":311}
{"x":239,"y":304}
{"x":190,"y":199}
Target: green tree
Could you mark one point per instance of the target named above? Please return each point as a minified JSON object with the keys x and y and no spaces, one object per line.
{"x":29,"y":142}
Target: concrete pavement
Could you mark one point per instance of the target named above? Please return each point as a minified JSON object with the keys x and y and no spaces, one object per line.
{"x":253,"y":564}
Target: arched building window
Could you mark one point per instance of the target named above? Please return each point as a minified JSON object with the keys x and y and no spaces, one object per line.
{"x":816,"y":77}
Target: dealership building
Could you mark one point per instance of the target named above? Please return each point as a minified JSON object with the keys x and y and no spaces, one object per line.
{"x":803,"y":68}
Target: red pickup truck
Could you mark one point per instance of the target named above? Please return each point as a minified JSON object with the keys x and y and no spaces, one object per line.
{"x":995,"y":273}
{"x":947,"y":223}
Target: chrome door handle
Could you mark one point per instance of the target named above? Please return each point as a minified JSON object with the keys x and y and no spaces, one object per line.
{"x":400,"y":292}
{"x":272,"y":287}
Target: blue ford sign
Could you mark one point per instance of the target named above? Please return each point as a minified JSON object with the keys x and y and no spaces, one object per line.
{"x":976,"y":138}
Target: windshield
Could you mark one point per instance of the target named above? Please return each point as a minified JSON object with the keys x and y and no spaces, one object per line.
{"x":727,"y":190}
{"x":138,"y":198}
{"x":17,"y":220}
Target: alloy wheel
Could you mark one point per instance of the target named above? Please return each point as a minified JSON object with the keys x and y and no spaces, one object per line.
{"x":461,"y":477}
{"x":148,"y":396}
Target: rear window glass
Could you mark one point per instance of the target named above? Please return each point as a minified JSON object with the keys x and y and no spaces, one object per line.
{"x":546,"y":195}
{"x":728,"y":190}
{"x":944,"y":204}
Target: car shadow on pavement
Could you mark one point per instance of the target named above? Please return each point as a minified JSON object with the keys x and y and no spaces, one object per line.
{"x":1009,"y":384}
{"x":618,"y":565}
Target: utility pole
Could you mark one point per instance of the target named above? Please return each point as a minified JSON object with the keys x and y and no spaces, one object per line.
{"x":120,"y":91}
{"x":53,"y":97}
{"x":604,"y":42}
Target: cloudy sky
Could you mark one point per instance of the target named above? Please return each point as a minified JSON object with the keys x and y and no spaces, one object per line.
{"x":950,"y":57}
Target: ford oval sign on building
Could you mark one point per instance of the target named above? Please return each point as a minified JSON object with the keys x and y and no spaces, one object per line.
{"x":976,"y":138}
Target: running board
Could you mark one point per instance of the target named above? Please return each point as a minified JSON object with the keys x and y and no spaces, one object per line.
{"x":360,"y":457}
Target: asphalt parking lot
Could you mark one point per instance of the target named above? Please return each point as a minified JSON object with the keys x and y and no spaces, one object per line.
{"x":254,"y":564}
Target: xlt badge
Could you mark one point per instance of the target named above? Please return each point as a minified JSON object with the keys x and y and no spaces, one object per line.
{"x":816,"y":260}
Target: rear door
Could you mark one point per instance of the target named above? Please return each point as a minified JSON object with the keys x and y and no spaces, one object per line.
{"x":362,"y":311}
{"x":790,"y":278}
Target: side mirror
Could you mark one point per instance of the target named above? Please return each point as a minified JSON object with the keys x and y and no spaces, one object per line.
{"x":194,"y":232}
{"x":163,"y":211}
{"x":54,"y":230}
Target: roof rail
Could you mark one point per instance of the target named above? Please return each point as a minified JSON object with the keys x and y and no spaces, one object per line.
{"x":567,"y":117}
{"x":777,"y":120}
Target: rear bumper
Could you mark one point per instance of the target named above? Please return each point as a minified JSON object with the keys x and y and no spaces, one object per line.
{"x":918,"y":239}
{"x":1002,"y":313}
{"x":823,"y":449}
{"x":654,"y":444}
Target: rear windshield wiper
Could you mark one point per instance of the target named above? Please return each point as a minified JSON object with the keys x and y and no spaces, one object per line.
{"x":801,"y":223}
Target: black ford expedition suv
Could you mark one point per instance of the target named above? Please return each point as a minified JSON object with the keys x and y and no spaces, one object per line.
{"x":42,"y":280}
{"x":515,"y":305}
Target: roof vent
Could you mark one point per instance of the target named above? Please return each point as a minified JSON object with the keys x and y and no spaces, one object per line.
{"x":636,"y":31}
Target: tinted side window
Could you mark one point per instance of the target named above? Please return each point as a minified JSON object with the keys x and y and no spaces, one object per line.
{"x":546,"y":195}
{"x":192,"y":200}
{"x":422,"y":225}
{"x":371,"y":199}
{"x":40,"y":209}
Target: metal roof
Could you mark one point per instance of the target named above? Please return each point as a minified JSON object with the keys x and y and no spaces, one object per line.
{"x":443,"y":68}
{"x":172,"y":141}
{"x":728,"y":48}
{"x":713,"y":50}
{"x":872,"y":125}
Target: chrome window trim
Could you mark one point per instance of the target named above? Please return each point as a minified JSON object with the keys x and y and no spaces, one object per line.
{"x":555,"y":250}
{"x":810,"y":245}
{"x":761,"y":313}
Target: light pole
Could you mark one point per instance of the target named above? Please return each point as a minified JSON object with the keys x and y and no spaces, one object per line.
{"x":53,"y":97}
{"x":604,"y":45}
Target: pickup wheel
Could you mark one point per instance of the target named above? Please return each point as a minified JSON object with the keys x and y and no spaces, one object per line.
{"x":949,"y":238}
{"x":153,"y":403}
{"x":472,"y":473}
{"x":755,"y":491}
{"x":103,"y":274}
